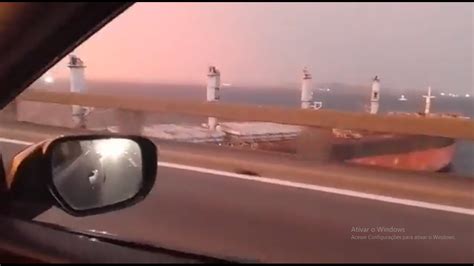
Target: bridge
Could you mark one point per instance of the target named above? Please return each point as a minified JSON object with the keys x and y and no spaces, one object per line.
{"x":238,"y":203}
{"x":208,"y":197}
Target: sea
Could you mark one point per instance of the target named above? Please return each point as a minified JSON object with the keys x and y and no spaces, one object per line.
{"x":341,"y":97}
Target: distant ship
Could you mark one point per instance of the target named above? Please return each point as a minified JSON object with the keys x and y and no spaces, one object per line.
{"x":407,"y":152}
{"x":390,"y":150}
{"x":402,"y":98}
{"x":399,"y":151}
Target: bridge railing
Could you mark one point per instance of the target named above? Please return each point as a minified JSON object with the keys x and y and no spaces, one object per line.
{"x":301,"y":163}
{"x":430,"y":126}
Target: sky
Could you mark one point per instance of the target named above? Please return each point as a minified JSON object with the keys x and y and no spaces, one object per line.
{"x":409,"y":45}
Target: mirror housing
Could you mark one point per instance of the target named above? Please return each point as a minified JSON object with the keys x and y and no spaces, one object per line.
{"x":35,"y":171}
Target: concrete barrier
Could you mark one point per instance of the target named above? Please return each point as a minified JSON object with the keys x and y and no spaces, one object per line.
{"x":431,"y":126}
{"x":440,"y":188}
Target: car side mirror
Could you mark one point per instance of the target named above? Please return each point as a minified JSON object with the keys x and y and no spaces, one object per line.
{"x":91,"y":174}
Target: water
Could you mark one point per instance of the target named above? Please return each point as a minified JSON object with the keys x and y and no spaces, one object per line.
{"x":341,"y":97}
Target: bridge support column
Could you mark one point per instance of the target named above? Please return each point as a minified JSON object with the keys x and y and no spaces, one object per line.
{"x":130,"y":122}
{"x":213,"y":87}
{"x":10,"y":112}
{"x":314,"y":144}
{"x":77,"y":85}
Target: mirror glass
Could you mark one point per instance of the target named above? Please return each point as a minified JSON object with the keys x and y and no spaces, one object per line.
{"x":96,"y":173}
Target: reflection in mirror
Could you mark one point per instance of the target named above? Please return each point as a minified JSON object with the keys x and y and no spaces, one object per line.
{"x":96,"y":173}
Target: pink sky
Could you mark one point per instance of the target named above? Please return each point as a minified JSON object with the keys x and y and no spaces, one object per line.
{"x":409,"y":45}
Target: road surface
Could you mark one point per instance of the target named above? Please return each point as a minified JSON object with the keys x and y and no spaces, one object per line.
{"x":225,"y":216}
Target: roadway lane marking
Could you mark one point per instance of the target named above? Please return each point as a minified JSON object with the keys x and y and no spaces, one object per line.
{"x":15,"y":141}
{"x":338,"y":191}
{"x":286,"y":183}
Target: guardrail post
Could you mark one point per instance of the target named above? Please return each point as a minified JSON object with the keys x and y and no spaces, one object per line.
{"x":314,"y":144}
{"x":10,"y":112}
{"x":130,"y":122}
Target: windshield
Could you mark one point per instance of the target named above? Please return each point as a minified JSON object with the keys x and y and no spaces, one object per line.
{"x":239,"y":185}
